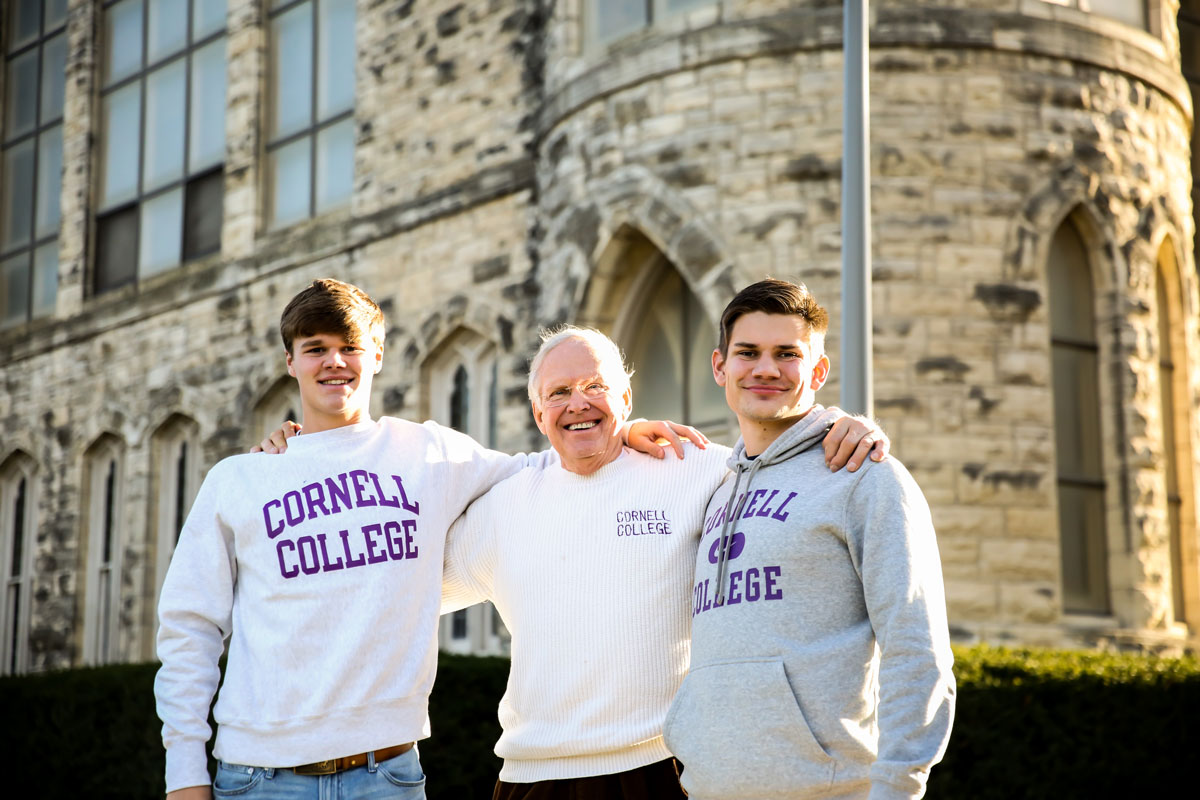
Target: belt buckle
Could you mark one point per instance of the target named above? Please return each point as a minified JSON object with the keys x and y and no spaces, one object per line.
{"x":327,"y":767}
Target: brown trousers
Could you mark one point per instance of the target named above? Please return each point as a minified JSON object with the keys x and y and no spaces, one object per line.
{"x":658,"y":781}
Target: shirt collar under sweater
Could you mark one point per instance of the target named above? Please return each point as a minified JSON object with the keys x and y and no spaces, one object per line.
{"x":311,"y":442}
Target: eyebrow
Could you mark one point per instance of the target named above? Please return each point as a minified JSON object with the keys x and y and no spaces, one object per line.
{"x":757,"y":346}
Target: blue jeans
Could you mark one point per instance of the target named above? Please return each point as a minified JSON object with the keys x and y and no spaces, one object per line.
{"x":398,"y":778}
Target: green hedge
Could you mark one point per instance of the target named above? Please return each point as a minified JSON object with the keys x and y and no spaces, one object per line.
{"x":1031,"y":724}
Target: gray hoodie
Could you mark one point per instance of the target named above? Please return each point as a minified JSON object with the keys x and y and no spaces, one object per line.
{"x":820,"y":652}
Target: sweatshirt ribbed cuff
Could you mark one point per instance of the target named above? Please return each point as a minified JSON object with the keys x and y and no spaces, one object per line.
{"x":187,"y":765}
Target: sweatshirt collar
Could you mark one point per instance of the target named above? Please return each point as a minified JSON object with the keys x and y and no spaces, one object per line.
{"x":310,"y":442}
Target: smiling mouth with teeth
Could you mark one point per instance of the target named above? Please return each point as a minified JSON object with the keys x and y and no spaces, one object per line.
{"x":582,"y":426}
{"x":335,"y":382}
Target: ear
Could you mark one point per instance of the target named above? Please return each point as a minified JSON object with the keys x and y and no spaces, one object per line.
{"x":287,"y":354}
{"x":718,"y":365}
{"x":537,"y":416}
{"x":820,"y":372}
{"x":627,"y":400}
{"x":378,"y":359}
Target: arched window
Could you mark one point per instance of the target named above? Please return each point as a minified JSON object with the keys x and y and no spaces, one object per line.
{"x":104,"y":483}
{"x":1177,"y":461}
{"x":1081,"y":485}
{"x":460,"y":379}
{"x":175,"y":478}
{"x":17,"y":526}
{"x":670,"y":342}
{"x":280,"y":403}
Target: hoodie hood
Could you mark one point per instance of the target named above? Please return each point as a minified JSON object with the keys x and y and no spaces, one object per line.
{"x":805,"y":434}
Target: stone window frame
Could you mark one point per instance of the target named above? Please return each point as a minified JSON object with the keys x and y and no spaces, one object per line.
{"x":311,"y":132}
{"x":175,"y":475}
{"x":121,"y":220}
{"x":1175,"y":418}
{"x":40,"y":250}
{"x":18,"y":498}
{"x":656,"y":13}
{"x":103,"y":549}
{"x":277,"y":404}
{"x":466,"y":359}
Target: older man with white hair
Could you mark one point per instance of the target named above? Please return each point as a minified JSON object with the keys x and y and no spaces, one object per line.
{"x":590,"y":564}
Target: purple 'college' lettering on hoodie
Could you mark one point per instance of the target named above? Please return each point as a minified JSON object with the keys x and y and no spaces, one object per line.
{"x":820,"y":650}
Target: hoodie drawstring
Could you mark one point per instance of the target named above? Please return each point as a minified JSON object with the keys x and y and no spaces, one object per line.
{"x":726,"y":526}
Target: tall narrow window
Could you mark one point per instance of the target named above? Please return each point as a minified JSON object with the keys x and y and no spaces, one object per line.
{"x":461,"y":380}
{"x":175,"y":477}
{"x":16,"y":562}
{"x":31,"y":167}
{"x":1077,"y":426}
{"x":311,"y":145}
{"x":104,"y":548}
{"x":670,"y":352}
{"x":162,"y":137}
{"x":1173,"y":389}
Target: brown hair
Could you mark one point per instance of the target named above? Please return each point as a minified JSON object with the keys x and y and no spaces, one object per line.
{"x":773,"y":296}
{"x":333,"y":307}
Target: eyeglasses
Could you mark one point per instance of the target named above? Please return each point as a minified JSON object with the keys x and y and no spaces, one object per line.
{"x":591,"y":390}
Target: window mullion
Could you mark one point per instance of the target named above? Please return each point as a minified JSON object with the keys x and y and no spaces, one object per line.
{"x":314,"y":114}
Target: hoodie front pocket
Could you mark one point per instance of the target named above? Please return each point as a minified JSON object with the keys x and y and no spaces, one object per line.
{"x":739,"y":732}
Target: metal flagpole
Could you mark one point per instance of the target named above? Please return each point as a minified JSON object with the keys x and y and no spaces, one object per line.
{"x":857,"y":390}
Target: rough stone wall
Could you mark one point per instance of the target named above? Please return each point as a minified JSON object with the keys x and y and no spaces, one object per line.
{"x":719,"y":138}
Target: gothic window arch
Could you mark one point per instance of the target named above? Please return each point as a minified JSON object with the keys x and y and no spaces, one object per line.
{"x":1081,"y":484}
{"x":103,"y":544}
{"x":18,"y":526}
{"x":1176,"y":425}
{"x":277,"y":405}
{"x":461,"y":380}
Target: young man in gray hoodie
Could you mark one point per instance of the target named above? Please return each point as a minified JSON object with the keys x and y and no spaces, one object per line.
{"x":820,"y":652}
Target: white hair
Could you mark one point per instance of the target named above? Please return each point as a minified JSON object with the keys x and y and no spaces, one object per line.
{"x":612,"y":361}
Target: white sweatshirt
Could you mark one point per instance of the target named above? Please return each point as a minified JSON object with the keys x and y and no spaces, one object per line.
{"x":593,"y":577}
{"x":323,"y":567}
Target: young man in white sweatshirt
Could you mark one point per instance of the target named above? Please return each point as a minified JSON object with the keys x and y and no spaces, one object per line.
{"x":590,"y":565}
{"x":821,"y":662}
{"x":322,"y":568}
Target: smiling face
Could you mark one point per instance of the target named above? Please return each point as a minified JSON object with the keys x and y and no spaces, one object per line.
{"x":335,"y":379}
{"x":576,"y":408}
{"x":771,"y":373}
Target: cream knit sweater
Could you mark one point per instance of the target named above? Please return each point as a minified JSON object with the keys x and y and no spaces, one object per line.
{"x":593,"y":577}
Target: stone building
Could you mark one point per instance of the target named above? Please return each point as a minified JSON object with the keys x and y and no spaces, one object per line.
{"x":174,"y":170}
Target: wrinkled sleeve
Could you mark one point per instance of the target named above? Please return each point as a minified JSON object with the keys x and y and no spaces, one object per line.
{"x":892,"y":531}
{"x":195,"y":617}
{"x":470,"y":558}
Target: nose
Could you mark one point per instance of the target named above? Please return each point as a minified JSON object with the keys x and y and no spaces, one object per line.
{"x":334,"y":359}
{"x":765,"y":366}
{"x":578,"y":401}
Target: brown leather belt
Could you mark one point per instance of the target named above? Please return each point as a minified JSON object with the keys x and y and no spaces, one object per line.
{"x":350,"y":762}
